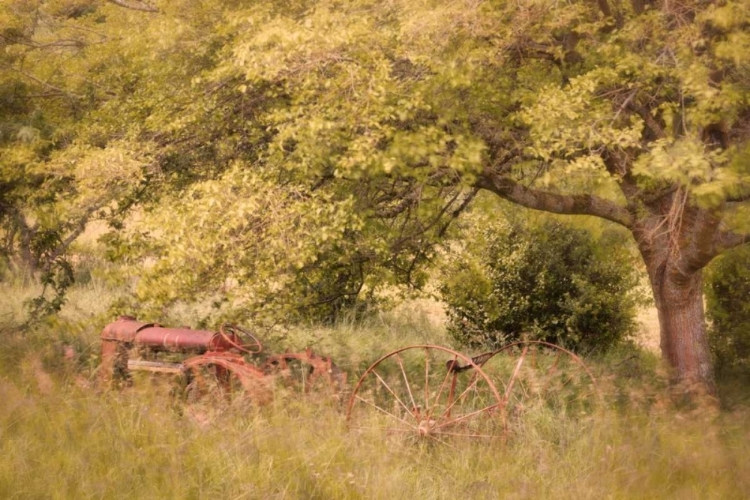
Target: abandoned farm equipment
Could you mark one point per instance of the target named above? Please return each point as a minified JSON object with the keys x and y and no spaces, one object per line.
{"x":426,"y":391}
{"x":436,"y":393}
{"x":212,"y":364}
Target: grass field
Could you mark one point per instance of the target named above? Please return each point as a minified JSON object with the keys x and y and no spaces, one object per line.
{"x":63,"y":437}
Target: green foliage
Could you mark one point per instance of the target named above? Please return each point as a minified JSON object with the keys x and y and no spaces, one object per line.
{"x":285,"y":159}
{"x":56,"y":278}
{"x":546,"y":282}
{"x":727,"y":290}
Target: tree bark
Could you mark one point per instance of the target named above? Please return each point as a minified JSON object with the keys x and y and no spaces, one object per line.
{"x":678,"y":295}
{"x":684,"y":344}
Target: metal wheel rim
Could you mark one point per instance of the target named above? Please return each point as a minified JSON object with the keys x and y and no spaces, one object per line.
{"x":430,"y":405}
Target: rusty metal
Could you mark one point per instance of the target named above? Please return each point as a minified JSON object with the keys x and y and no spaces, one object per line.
{"x":220,"y":360}
{"x":155,"y":366}
{"x":533,"y":374}
{"x":224,"y":368}
{"x":157,"y":338}
{"x":543,"y":377}
{"x":315,"y":368}
{"x":427,"y":391}
{"x":413,"y":391}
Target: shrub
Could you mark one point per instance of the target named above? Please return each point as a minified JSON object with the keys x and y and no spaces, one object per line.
{"x":727,"y":291}
{"x":550,"y":282}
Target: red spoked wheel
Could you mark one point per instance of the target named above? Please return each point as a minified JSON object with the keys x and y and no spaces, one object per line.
{"x":428,"y":392}
{"x":539,"y":378}
{"x":305,"y":372}
{"x":216,"y":382}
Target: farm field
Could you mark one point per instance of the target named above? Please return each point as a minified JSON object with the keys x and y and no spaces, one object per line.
{"x":63,"y":437}
{"x":473,"y":208}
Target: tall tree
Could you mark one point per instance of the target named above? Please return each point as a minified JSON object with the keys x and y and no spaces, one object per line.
{"x":324,"y":146}
{"x":634,"y":113}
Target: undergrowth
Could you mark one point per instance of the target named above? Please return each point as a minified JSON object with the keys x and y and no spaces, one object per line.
{"x":62,"y":436}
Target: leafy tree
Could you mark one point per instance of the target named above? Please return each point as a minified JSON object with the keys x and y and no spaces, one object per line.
{"x":85,"y":125}
{"x":52,"y":178}
{"x":636,"y":114}
{"x":356,"y":131}
{"x":540,"y":282}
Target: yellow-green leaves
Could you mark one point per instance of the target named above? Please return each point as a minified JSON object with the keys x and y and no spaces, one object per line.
{"x":245,"y":235}
{"x":565,"y":122}
{"x":688,"y":162}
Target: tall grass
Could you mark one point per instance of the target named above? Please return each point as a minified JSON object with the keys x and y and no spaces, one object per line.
{"x":73,"y":443}
{"x":62,"y":437}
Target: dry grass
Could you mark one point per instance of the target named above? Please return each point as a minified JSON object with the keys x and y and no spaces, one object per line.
{"x":138,"y":443}
{"x":62,"y":438}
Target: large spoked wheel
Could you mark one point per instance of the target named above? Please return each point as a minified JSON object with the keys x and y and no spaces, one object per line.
{"x":213,"y":385}
{"x":305,"y":372}
{"x":240,"y":339}
{"x":539,"y":378}
{"x":428,"y":392}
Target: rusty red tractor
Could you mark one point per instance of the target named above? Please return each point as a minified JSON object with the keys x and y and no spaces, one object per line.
{"x":427,"y":391}
{"x":211,"y":361}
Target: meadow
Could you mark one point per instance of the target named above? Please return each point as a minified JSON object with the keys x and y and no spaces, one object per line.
{"x":62,"y":436}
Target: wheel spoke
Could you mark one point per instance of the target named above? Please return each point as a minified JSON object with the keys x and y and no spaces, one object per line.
{"x":541,"y":374}
{"x":406,"y":381}
{"x":388,"y":388}
{"x":459,"y":434}
{"x":387,"y":429}
{"x":515,"y":373}
{"x":467,"y":415}
{"x":453,"y":403}
{"x":551,"y":372}
{"x":442,"y":386}
{"x":426,"y":378}
{"x":380,"y":387}
{"x":439,"y":441}
{"x":387,"y":412}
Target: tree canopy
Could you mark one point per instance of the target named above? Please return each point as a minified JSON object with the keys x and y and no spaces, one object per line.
{"x":290,"y":155}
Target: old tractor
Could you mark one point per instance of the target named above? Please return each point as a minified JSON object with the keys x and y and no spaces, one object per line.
{"x":223,"y":362}
{"x":427,"y":391}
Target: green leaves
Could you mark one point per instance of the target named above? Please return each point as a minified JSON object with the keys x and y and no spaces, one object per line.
{"x":295,"y":154}
{"x":687,"y":162}
{"x":245,"y":236}
{"x":545,"y":282}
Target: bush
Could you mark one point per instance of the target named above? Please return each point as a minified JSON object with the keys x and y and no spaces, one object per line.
{"x":550,"y":282}
{"x":727,"y":292}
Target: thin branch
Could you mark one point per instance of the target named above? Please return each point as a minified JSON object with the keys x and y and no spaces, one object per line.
{"x":458,"y":211}
{"x":75,"y":233}
{"x":725,"y":240}
{"x":738,"y":198}
{"x":423,"y":230}
{"x":134,"y":6}
{"x":624,"y":105}
{"x":40,"y":82}
{"x":648,"y":119}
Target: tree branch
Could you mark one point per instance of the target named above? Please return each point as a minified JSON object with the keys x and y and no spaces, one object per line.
{"x":698,"y":248}
{"x":41,"y":82}
{"x":738,"y":198}
{"x":648,"y":119}
{"x":79,"y":227}
{"x":585,"y":204}
{"x":458,"y":211}
{"x":620,"y":170}
{"x":725,"y":240}
{"x":134,"y":5}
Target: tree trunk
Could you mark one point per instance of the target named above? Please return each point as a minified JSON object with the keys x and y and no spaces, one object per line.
{"x":684,"y":344}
